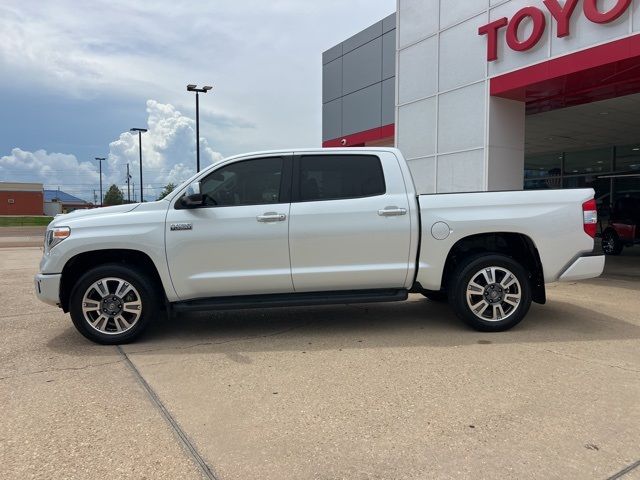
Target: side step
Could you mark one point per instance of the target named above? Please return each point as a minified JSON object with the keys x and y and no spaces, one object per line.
{"x":291,"y":300}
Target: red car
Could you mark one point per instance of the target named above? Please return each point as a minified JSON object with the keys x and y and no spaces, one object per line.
{"x":624,"y":226}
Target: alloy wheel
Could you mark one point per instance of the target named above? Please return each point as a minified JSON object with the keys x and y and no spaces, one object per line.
{"x":111,"y":305}
{"x":493,"y":294}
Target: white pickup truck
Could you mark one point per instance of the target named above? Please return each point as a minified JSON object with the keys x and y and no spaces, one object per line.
{"x":311,"y":227}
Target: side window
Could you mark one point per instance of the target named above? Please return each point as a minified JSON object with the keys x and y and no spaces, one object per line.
{"x":249,"y":182}
{"x":334,"y":177}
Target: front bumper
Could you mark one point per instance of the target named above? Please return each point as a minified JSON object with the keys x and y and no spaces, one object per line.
{"x":584,"y":267}
{"x":48,"y":288}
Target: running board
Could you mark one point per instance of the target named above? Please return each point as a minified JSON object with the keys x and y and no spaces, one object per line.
{"x":291,"y":300}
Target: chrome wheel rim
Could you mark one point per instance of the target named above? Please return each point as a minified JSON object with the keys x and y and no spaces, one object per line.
{"x":494,"y":294}
{"x":111,"y":306}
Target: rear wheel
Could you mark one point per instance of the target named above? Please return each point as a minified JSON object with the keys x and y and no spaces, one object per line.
{"x":491,"y":293}
{"x":113,"y":304}
{"x":611,"y":244}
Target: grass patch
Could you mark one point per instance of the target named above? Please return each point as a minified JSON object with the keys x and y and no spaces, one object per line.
{"x":25,"y":221}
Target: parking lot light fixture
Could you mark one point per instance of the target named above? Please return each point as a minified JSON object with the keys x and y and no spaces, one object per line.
{"x":100,"y":160}
{"x":140,"y":132}
{"x":194,"y":88}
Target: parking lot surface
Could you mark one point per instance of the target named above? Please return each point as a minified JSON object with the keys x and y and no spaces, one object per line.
{"x":385,"y":391}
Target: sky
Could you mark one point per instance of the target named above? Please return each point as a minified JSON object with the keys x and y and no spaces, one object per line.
{"x":76,"y":76}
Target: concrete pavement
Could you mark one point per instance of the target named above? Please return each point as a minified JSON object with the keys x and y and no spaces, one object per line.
{"x":355,"y":392}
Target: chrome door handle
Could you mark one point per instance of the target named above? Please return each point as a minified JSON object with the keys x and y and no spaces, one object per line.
{"x":271,"y":217}
{"x":392,"y":212}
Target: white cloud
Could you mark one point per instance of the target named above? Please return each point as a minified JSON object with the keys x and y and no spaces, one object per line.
{"x":53,"y":169}
{"x":168,"y":155}
{"x":168,"y":149}
{"x":263,"y":58}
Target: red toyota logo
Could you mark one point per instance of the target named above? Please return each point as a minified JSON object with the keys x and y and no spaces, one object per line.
{"x":562,"y":15}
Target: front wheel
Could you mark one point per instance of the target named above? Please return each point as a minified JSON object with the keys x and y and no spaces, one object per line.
{"x":113,"y":304}
{"x":491,"y":293}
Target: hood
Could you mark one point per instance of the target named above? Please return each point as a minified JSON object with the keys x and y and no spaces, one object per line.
{"x":94,"y":212}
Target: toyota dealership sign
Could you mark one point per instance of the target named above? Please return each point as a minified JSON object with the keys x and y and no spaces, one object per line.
{"x":562,"y":15}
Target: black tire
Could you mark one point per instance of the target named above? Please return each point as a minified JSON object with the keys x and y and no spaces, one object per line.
{"x":143,"y":287}
{"x":434,"y":296}
{"x":611,"y":243}
{"x":473,"y":268}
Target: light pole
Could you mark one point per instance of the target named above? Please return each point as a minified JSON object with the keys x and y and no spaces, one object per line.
{"x":205,"y":89}
{"x":128,"y":185}
{"x":100,"y":160}
{"x":140,"y":132}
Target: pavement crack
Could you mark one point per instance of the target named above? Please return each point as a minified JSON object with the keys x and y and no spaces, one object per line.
{"x":64,"y":369}
{"x":586,"y":360}
{"x":624,"y":471}
{"x":179,"y":432}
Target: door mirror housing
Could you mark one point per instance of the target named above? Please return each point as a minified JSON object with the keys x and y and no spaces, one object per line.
{"x":192,"y":197}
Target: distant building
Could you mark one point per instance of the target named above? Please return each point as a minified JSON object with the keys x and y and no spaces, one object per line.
{"x":21,"y":198}
{"x":57,"y":201}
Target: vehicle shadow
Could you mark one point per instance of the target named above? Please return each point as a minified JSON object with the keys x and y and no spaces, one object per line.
{"x":416,"y":323}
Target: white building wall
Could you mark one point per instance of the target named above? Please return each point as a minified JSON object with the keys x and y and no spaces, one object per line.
{"x":455,"y":136}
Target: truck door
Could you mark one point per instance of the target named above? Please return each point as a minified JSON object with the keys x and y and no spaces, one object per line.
{"x":350,"y":226}
{"x":237,"y":242}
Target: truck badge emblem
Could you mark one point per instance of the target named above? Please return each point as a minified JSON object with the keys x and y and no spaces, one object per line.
{"x":181,"y":226}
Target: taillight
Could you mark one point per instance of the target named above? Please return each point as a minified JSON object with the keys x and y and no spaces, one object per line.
{"x":590,"y":217}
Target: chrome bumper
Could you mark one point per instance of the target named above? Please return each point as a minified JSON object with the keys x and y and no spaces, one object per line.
{"x":48,"y":288}
{"x":583,"y":268}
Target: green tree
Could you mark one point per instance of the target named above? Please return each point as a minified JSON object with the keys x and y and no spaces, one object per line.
{"x":114,"y":196}
{"x":170,"y":187}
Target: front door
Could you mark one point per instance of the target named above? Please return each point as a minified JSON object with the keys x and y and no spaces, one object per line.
{"x":237,"y":242}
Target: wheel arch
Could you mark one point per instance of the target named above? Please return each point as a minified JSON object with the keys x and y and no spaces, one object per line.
{"x":518,"y":246}
{"x":79,"y":264}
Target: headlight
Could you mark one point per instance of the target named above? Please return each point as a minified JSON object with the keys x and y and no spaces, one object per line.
{"x":55,"y":235}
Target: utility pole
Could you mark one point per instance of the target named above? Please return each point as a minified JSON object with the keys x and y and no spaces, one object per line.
{"x":140,"y":132}
{"x":100,"y":160}
{"x":128,"y":189}
{"x":194,"y":88}
{"x":95,"y":197}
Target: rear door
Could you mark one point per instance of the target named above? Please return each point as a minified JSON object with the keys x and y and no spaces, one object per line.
{"x":349,"y":226}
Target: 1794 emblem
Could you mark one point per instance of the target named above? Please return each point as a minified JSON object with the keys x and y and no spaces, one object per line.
{"x":181,"y":226}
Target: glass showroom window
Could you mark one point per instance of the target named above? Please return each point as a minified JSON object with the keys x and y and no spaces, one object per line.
{"x":543,"y":171}
{"x":628,"y":158}
{"x":598,"y":160}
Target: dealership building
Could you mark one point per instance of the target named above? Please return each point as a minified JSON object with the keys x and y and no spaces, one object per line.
{"x":494,"y":94}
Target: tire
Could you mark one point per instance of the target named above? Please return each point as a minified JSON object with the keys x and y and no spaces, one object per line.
{"x":611,"y":244}
{"x":507,"y":297}
{"x":122,"y":312}
{"x":435,"y":296}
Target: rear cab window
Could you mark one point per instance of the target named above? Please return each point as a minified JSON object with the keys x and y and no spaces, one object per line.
{"x":337,"y":177}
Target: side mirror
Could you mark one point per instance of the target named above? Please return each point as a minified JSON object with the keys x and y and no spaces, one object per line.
{"x":192,"y":197}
